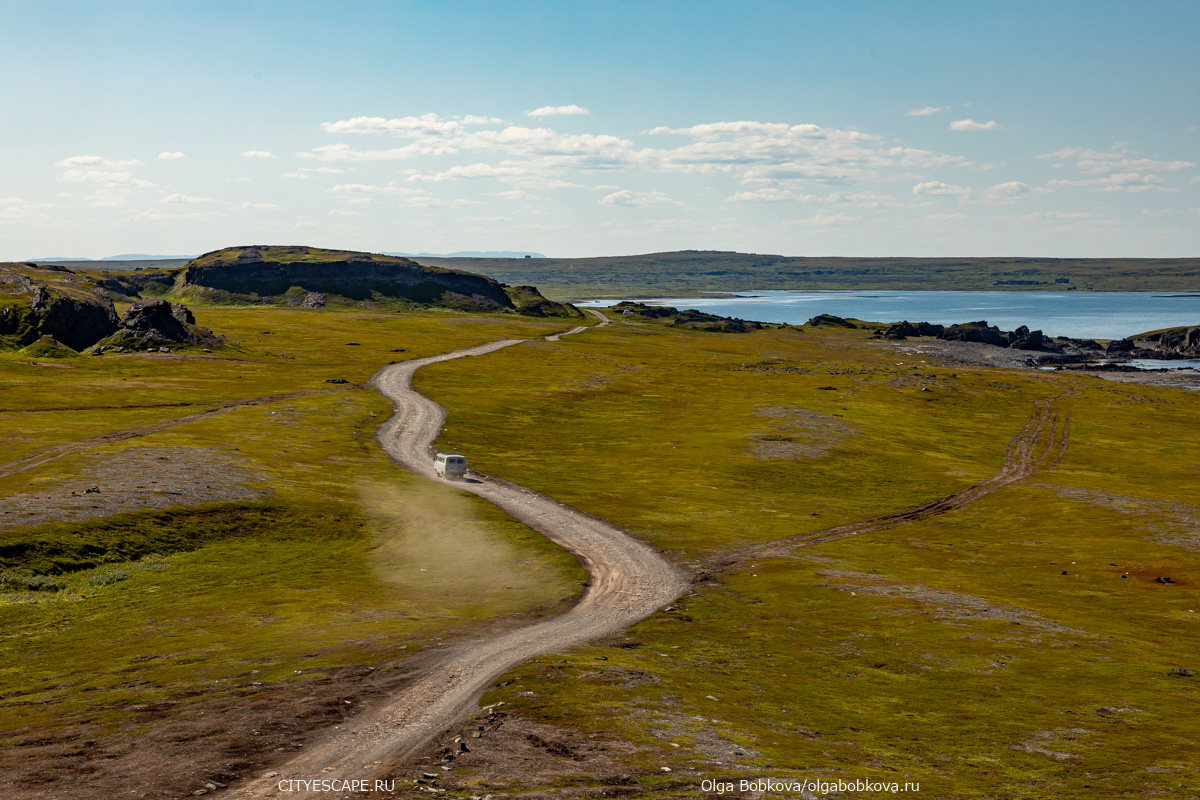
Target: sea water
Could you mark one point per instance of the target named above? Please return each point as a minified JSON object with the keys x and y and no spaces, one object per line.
{"x":1080,"y":315}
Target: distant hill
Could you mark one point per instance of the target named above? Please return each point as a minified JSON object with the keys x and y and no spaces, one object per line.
{"x":117,"y":262}
{"x":689,"y":272}
{"x":315,"y":277}
{"x":473,"y":254}
{"x":142,"y":257}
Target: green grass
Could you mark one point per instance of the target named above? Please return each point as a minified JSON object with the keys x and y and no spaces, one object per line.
{"x":349,"y":560}
{"x":950,"y":652}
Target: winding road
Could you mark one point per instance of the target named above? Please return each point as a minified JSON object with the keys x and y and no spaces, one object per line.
{"x":628,"y":582}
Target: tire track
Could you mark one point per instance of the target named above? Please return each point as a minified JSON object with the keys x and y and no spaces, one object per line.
{"x":218,"y":407}
{"x":1039,"y":445}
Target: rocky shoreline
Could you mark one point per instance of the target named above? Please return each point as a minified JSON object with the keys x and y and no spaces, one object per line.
{"x":978,"y":344}
{"x":1166,"y":345}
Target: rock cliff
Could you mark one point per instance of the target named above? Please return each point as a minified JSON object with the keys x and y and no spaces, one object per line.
{"x":36,"y":302}
{"x":299,"y":275}
{"x":154,"y":324}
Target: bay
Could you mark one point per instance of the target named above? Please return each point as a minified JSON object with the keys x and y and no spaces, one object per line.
{"x":1080,"y":315}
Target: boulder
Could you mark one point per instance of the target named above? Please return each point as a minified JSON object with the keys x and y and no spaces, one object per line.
{"x":155,"y":324}
{"x":829,"y":319}
{"x":899,"y":331}
{"x":975,"y":332}
{"x":1024,"y":339}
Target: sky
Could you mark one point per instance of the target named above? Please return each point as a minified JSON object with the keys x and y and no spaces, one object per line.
{"x":578,"y":129}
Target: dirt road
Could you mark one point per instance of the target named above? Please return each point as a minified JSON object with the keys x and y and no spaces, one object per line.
{"x":629,"y":581}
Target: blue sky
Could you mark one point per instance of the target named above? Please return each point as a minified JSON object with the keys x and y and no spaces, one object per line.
{"x":850,"y":128}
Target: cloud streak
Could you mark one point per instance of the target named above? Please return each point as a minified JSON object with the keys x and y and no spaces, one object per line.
{"x":972,"y":125}
{"x":559,"y":111}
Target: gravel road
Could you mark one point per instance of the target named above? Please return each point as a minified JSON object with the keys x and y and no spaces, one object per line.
{"x":629,"y":581}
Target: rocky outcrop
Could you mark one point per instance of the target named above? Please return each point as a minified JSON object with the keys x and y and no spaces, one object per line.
{"x":277,"y":274}
{"x":821,"y":320}
{"x":1020,"y":339}
{"x":975,"y":332}
{"x":1171,"y":344}
{"x":899,"y":331}
{"x":154,"y":324}
{"x":52,"y":301}
{"x":1179,"y":342}
{"x":688,"y":318}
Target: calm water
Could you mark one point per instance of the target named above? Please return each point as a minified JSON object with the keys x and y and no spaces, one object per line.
{"x":1081,"y":315}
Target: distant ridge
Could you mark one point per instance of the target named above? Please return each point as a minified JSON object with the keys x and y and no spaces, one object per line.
{"x":692,"y":272}
{"x":473,"y":254}
{"x":126,"y":257}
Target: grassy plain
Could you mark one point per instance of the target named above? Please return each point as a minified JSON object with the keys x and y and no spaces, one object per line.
{"x":115,"y":627}
{"x":1021,"y":646}
{"x":952,"y":652}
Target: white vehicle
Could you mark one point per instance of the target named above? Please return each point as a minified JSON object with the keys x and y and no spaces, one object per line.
{"x":449,"y":465}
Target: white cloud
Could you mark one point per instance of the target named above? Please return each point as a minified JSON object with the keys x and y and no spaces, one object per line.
{"x":972,"y":125}
{"x":108,"y":178}
{"x":826,"y":220}
{"x":171,"y":155}
{"x":1128,"y":182}
{"x":428,"y":201}
{"x":1059,"y":216}
{"x":97,"y":161}
{"x":927,"y":111}
{"x":1196,"y":179}
{"x":628,"y":198}
{"x":1011,"y":191}
{"x":323,"y":170}
{"x":258,"y":206}
{"x":469,"y":171}
{"x":937,"y":189}
{"x":258,"y":154}
{"x":154,"y":215}
{"x":516,"y":194}
{"x":551,"y":111}
{"x":755,"y":152}
{"x":299,"y":176}
{"x":353,"y":189}
{"x":184,"y":198}
{"x":863,"y":200}
{"x":1120,"y":160}
{"x":17,"y":210}
{"x":1157,"y":212}
{"x":424,"y":125}
{"x":770,"y":194}
{"x":485,"y":219}
{"x":953,"y":216}
{"x":344,"y":152}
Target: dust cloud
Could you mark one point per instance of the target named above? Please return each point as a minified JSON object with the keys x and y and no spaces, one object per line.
{"x":431,"y":541}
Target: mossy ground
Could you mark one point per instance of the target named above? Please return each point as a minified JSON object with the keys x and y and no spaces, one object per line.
{"x":349,"y":561}
{"x":952,"y":652}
